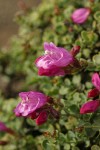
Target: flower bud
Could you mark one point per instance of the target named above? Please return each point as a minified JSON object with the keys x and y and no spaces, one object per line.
{"x":96,"y":80}
{"x":93,"y":93}
{"x":3,"y":128}
{"x":75,"y":50}
{"x":90,"y":106}
{"x":42,"y":118}
{"x":80,"y":15}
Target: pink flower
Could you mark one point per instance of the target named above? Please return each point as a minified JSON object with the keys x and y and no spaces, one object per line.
{"x":90,"y":106}
{"x":42,"y":118}
{"x":5,"y":129}
{"x":53,"y":61}
{"x":31,"y":101}
{"x":80,"y":15}
{"x":96,"y":82}
{"x":35,"y":105}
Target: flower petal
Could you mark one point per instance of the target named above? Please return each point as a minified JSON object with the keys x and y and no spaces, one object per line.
{"x":55,"y":57}
{"x":42,"y":118}
{"x":90,"y":106}
{"x":54,"y":71}
{"x":49,"y":47}
{"x":96,"y":80}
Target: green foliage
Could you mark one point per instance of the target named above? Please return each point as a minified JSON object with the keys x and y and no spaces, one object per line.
{"x":51,"y":21}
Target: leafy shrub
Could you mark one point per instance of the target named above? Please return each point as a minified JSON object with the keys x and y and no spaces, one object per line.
{"x":51,"y":21}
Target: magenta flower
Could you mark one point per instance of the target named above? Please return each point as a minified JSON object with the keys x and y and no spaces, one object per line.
{"x":90,"y":106}
{"x":31,"y":101}
{"x":3,"y":128}
{"x":35,"y":105}
{"x":53,"y":61}
{"x":96,"y":82}
{"x":80,"y":15}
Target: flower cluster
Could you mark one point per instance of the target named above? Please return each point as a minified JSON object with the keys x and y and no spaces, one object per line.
{"x":35,"y":105}
{"x":93,"y":105}
{"x":56,"y":61}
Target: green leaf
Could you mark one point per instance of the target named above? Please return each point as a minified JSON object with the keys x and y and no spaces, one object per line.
{"x":89,"y":130}
{"x":76,"y":79}
{"x":89,"y":37}
{"x":97,"y":16}
{"x":63,"y":90}
{"x":74,"y":109}
{"x":86,"y":53}
{"x":95,"y":147}
{"x":75,"y":148}
{"x":66,"y":146}
{"x":96,"y":59}
{"x":45,"y":145}
{"x":48,"y":146}
{"x":96,"y":126}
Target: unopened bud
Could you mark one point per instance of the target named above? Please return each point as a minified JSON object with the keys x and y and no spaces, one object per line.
{"x":42,"y":118}
{"x":75,"y":50}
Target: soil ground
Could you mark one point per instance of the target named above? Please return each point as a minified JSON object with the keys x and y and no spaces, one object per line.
{"x":8,"y":27}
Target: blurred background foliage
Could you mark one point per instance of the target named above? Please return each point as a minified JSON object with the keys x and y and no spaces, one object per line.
{"x":51,"y":22}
